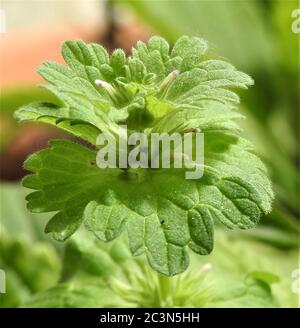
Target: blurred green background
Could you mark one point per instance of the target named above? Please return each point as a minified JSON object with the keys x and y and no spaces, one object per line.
{"x":257,"y":37}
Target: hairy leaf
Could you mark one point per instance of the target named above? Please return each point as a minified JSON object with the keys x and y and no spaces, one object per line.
{"x":154,"y":90}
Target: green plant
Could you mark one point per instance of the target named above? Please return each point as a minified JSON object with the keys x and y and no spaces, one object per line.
{"x":29,"y":268}
{"x":96,"y":274}
{"x":256,"y":36}
{"x":155,"y":89}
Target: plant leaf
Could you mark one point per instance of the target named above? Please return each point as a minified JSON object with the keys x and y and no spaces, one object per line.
{"x":163,"y":213}
{"x":154,"y":90}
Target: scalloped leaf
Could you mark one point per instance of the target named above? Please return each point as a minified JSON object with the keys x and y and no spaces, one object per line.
{"x":153,"y":90}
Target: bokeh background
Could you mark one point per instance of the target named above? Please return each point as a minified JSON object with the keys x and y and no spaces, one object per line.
{"x":256,"y":36}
